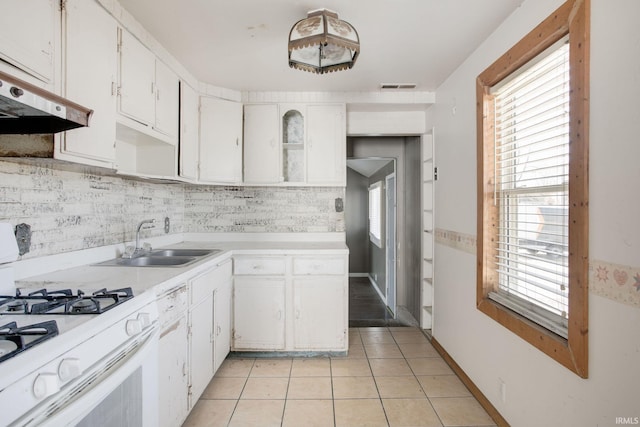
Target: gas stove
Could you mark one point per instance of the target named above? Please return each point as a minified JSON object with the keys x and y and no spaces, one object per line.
{"x":62,"y":352}
{"x":64,"y":301}
{"x":30,"y":318}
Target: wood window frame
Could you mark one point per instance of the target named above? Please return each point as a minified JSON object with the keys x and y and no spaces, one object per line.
{"x":573,"y":19}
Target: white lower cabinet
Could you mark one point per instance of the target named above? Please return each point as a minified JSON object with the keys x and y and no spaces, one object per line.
{"x":259,"y":310}
{"x":222,"y":320}
{"x":195,"y":335}
{"x":200,"y":347}
{"x":173,"y":381}
{"x":319,"y":323}
{"x":290,"y":303}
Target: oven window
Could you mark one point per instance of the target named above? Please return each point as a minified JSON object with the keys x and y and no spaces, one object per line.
{"x":123,"y":407}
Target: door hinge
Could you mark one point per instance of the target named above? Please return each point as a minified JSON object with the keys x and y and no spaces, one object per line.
{"x":435,"y":174}
{"x":63,"y":5}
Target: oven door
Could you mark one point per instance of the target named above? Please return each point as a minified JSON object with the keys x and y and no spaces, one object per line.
{"x":119,"y":390}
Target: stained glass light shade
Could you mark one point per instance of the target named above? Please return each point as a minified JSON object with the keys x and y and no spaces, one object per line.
{"x":322,"y":43}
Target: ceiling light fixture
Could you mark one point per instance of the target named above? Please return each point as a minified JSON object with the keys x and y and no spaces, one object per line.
{"x":321,"y":43}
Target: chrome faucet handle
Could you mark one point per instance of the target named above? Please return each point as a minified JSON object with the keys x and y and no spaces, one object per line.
{"x":143,"y":222}
{"x":128,"y":252}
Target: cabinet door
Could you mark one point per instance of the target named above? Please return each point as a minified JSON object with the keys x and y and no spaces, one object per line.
{"x":201,"y":348}
{"x":222,"y":323}
{"x":90,"y":65}
{"x":27,"y":35}
{"x":262,"y":159}
{"x":167,"y":100}
{"x":189,"y":105}
{"x":258,"y":313}
{"x":319,"y":313}
{"x":293,"y":135}
{"x":326,"y":145}
{"x":137,"y":79}
{"x":173,"y":386}
{"x":220,"y":141}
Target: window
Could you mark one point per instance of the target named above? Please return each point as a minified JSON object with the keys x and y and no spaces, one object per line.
{"x":375,"y":217}
{"x":533,"y":187}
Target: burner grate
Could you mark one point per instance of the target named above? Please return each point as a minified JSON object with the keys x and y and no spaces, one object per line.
{"x":15,"y":340}
{"x":64,"y":301}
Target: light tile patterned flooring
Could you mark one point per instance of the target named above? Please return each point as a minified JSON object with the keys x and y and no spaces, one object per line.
{"x":391,"y":377}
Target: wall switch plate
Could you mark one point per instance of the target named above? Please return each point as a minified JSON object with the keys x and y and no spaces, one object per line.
{"x":339,"y":204}
{"x":167,"y":224}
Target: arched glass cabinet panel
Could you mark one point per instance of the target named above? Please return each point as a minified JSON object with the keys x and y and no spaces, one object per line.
{"x":293,"y":146}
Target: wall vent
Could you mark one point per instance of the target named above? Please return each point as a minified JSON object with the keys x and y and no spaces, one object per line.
{"x":397,"y":86}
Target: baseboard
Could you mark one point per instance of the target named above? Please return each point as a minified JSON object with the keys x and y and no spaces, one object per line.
{"x":475,"y":391}
{"x":358,"y":274}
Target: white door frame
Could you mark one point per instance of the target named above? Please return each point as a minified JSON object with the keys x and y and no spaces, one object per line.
{"x":390,"y":242}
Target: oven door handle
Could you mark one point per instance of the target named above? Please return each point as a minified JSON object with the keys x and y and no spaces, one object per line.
{"x":83,"y":394}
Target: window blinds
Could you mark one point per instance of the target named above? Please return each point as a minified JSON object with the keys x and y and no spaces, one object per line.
{"x":531,"y":175}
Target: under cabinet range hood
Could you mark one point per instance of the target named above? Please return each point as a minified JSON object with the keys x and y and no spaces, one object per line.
{"x":28,"y":109}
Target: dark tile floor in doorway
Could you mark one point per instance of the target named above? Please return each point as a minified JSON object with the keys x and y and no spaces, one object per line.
{"x":366,"y":309}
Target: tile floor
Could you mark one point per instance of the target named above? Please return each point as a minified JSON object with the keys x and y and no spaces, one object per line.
{"x":392,"y":376}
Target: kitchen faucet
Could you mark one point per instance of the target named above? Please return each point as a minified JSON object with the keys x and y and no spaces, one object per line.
{"x":132,"y":252}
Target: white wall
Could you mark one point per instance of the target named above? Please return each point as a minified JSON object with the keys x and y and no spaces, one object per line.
{"x":539,"y":391}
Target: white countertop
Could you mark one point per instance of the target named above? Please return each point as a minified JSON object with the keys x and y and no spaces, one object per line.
{"x":142,"y":279}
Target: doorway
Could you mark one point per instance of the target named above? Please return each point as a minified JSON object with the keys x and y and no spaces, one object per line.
{"x":389,"y":269}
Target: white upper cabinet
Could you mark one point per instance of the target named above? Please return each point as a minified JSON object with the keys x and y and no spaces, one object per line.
{"x":326,"y":145}
{"x":148,"y":89}
{"x":137,"y":79}
{"x":293,"y":122}
{"x":220,"y":141}
{"x":189,"y":120}
{"x":28,"y":31}
{"x":262,"y":159}
{"x":147,"y":126}
{"x":295,"y":144}
{"x":167,"y":100}
{"x":90,"y":75}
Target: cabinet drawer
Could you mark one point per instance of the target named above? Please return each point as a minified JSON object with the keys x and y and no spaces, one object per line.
{"x":172,"y":305}
{"x":203,"y":285}
{"x":259,"y":265}
{"x":331,"y":265}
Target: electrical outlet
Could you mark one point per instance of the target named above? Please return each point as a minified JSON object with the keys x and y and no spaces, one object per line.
{"x":167,"y":225}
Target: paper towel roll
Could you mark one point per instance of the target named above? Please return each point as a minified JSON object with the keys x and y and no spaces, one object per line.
{"x":8,"y":244}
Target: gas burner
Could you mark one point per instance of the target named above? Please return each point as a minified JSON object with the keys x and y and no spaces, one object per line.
{"x":17,"y":305}
{"x":85,"y":305}
{"x":14,"y":340}
{"x":63,"y":301}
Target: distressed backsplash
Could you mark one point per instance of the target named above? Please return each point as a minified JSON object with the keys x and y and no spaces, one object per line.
{"x":263,"y":209}
{"x":72,"y":207}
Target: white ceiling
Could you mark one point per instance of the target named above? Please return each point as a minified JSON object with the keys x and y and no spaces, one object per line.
{"x":367,"y":167}
{"x":242,"y":44}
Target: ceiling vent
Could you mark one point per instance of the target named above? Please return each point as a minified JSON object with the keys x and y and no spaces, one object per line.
{"x":397,"y":86}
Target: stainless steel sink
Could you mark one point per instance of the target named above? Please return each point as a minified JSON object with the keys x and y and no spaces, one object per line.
{"x":182,"y":252}
{"x":163,"y":261}
{"x":162,"y":258}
